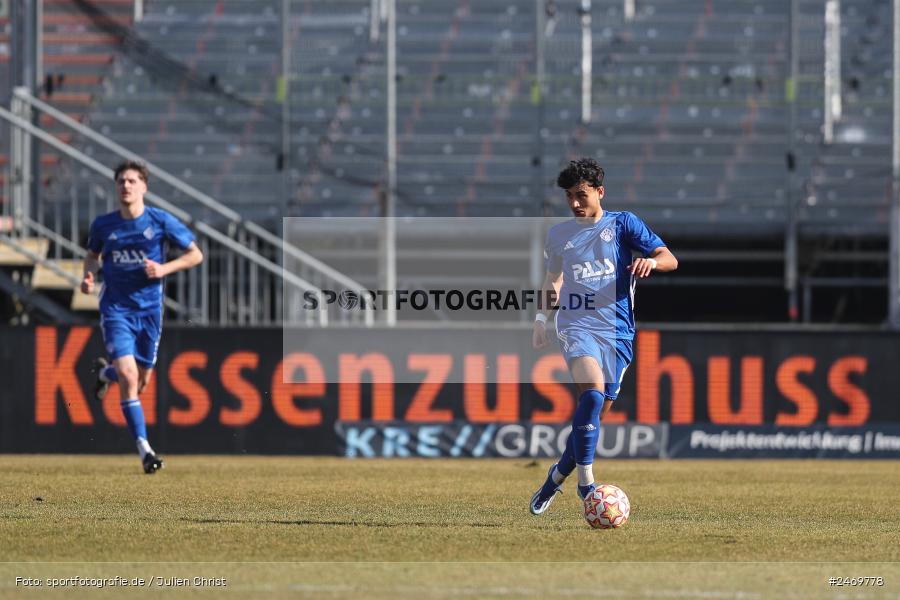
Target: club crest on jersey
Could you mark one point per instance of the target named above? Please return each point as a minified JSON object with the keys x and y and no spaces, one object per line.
{"x":607,"y":235}
{"x":128,"y":257}
{"x":593,"y":269}
{"x":148,"y":233}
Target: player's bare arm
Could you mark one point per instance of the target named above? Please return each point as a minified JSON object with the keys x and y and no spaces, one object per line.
{"x":91,"y":266}
{"x":550,"y":289}
{"x":661,"y":259}
{"x":191,"y":258}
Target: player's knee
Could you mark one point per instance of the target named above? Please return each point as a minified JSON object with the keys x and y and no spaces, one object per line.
{"x":591,"y":399}
{"x":128,"y":375}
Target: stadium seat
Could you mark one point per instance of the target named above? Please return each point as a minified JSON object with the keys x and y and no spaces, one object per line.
{"x":688,"y":106}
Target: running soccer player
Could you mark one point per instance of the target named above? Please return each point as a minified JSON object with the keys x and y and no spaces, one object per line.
{"x":591,"y":271}
{"x":132,"y":242}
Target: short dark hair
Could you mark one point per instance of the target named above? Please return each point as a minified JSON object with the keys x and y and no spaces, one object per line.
{"x":132,"y":165}
{"x":583,"y":169}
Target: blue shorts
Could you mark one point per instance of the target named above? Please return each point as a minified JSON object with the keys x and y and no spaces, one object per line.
{"x":138,"y":335}
{"x":613,"y":356}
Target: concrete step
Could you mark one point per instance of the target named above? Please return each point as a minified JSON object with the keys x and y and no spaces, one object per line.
{"x":46,"y":278}
{"x":12,"y":258}
{"x":86,"y":302}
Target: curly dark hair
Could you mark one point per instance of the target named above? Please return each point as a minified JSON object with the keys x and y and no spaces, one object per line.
{"x":132,"y":165}
{"x":583,"y":169}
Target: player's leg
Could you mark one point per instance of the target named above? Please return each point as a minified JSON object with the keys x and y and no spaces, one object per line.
{"x":102,"y":381}
{"x":129,"y":383}
{"x":144,"y":375}
{"x":589,"y":381}
{"x":126,"y":376}
{"x":623,"y":356}
{"x":566,"y":462}
{"x":146,"y":346}
{"x":119,"y":337}
{"x":579,"y":348}
{"x":616,"y":358}
{"x":105,"y":371}
{"x":582,"y":442}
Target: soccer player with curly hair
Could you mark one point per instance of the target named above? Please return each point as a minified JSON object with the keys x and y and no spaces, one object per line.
{"x":596,"y":258}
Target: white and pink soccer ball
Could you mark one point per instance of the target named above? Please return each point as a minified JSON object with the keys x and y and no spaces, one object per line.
{"x":607,"y":507}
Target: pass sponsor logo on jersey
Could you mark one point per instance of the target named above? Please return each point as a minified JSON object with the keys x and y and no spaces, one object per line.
{"x":594,"y":270}
{"x":128,"y":257}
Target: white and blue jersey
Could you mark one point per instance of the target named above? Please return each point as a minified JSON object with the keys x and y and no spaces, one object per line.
{"x":596,"y":299}
{"x":131,"y":302}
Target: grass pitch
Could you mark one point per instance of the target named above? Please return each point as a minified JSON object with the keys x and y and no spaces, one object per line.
{"x":445,"y":528}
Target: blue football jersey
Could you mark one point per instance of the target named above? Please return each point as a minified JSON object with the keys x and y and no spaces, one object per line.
{"x":123,"y":245}
{"x":597,"y":291}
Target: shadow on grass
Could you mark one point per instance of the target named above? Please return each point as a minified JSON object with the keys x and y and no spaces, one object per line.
{"x":347,"y":523}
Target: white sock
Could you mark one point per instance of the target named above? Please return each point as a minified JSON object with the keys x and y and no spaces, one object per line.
{"x":556,"y":476}
{"x":143,"y":447}
{"x":585,"y":474}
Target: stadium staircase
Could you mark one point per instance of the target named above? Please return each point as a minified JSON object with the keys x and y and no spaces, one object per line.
{"x":76,"y":56}
{"x":41,"y":286}
{"x":238,"y":283}
{"x":242,"y":280}
{"x":689,"y":114}
{"x":689,"y":118}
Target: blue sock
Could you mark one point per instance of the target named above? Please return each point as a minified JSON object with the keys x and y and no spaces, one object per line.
{"x":566,"y":463}
{"x":109,"y":374}
{"x":134,"y":416}
{"x":586,"y":427}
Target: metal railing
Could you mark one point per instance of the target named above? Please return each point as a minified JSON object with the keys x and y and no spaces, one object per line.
{"x":242,"y":280}
{"x":75,"y":282}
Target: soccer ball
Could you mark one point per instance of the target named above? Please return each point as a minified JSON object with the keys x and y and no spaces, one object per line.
{"x":607,"y":507}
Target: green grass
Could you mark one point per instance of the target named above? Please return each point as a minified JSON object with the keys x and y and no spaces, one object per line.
{"x":401,"y":515}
